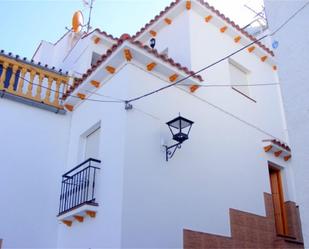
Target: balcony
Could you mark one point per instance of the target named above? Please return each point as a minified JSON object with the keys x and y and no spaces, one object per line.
{"x":78,"y":192}
{"x":31,"y":83}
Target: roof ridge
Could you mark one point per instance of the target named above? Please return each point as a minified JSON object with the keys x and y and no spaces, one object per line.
{"x":211,"y":8}
{"x":102,"y":32}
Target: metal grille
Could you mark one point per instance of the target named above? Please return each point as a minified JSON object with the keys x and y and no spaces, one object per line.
{"x":78,"y":186}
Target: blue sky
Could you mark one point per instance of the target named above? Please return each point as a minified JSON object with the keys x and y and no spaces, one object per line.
{"x":24,"y":23}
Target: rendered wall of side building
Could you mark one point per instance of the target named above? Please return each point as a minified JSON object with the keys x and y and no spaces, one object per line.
{"x":293,"y":59}
{"x":33,"y":154}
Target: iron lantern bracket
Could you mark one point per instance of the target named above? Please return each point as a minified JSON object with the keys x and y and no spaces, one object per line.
{"x":170,"y":150}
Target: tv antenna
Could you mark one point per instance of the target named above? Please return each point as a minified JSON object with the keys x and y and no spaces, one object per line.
{"x":259,"y":18}
{"x":89,"y":4}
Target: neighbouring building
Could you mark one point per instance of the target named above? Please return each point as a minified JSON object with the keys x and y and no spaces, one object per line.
{"x":85,"y":159}
{"x":293,"y":66}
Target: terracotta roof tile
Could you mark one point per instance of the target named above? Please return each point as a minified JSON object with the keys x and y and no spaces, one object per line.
{"x":102,"y":33}
{"x":110,"y":51}
{"x":33,"y":63}
{"x":281,"y":144}
{"x":278,"y":143}
{"x":207,"y":5}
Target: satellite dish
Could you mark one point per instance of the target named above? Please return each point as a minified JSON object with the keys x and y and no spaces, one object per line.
{"x":275,"y":44}
{"x":77,"y":21}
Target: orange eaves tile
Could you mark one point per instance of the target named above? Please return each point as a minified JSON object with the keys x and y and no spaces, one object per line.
{"x":237,"y":38}
{"x":110,"y":69}
{"x":168,"y":21}
{"x":92,"y":214}
{"x":151,"y":66}
{"x":250,"y":49}
{"x":127,"y":54}
{"x":208,"y":18}
{"x":268,"y":148}
{"x":188,"y":5}
{"x":193,"y":88}
{"x":173,"y":77}
{"x":82,"y":96}
{"x":67,"y":222}
{"x":153,"y":33}
{"x":223,"y":29}
{"x":69,"y":107}
{"x":264,"y":58}
{"x":95,"y":83}
{"x":96,"y":40}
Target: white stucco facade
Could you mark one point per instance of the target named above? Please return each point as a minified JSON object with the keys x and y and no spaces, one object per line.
{"x":34,"y":152}
{"x":293,"y":75}
{"x":143,"y":200}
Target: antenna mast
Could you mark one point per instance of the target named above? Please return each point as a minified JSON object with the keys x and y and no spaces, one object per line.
{"x":90,"y":11}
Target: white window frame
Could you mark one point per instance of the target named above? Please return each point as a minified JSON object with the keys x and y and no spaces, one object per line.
{"x":245,"y":90}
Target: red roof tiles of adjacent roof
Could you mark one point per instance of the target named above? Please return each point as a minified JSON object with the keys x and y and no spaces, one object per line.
{"x":278,"y":143}
{"x":156,"y":18}
{"x":109,"y":52}
{"x":207,"y":5}
{"x":102,"y":33}
{"x":281,"y":144}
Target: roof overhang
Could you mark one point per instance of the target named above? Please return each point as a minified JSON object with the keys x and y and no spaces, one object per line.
{"x":130,"y":53}
{"x":217,"y":19}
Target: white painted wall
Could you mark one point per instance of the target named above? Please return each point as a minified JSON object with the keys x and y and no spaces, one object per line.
{"x":221,"y":166}
{"x":71,"y":53}
{"x":147,"y":201}
{"x":178,"y":43}
{"x":105,"y":230}
{"x":33,"y":154}
{"x":293,"y":59}
{"x":208,"y":46}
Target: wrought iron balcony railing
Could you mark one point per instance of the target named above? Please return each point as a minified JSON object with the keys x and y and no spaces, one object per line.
{"x":78,"y":186}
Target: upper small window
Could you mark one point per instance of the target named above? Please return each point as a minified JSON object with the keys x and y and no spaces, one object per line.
{"x":92,"y":144}
{"x":95,"y":58}
{"x":239,"y":77}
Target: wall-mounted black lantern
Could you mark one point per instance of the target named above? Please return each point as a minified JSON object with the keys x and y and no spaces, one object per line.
{"x":152,"y":42}
{"x":180,"y":128}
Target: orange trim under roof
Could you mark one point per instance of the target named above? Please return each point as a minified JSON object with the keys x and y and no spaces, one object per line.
{"x":114,"y":48}
{"x":279,"y":143}
{"x":212,"y":9}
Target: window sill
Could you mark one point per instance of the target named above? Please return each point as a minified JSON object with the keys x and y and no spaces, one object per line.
{"x":244,"y":94}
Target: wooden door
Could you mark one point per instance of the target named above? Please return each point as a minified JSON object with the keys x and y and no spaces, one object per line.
{"x":278,"y":200}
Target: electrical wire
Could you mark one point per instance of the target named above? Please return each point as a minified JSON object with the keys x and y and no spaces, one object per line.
{"x":187,"y":77}
{"x":220,"y":60}
{"x":231,"y":85}
{"x":60,"y":92}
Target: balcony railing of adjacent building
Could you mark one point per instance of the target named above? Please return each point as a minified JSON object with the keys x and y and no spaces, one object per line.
{"x":78,"y":186}
{"x":31,"y":81}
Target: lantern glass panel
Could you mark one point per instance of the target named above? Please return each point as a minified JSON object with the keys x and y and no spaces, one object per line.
{"x":180,"y":128}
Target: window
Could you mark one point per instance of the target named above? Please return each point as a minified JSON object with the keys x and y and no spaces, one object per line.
{"x":239,"y":76}
{"x":95,"y":58}
{"x":92,"y":144}
{"x":278,"y":200}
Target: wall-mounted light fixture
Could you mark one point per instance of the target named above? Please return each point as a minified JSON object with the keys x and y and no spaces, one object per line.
{"x":180,"y":128}
{"x":152,"y":42}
